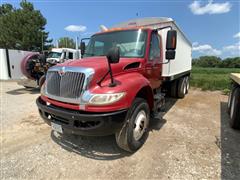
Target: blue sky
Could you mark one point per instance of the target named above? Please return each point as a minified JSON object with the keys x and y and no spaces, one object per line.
{"x":210,"y":25}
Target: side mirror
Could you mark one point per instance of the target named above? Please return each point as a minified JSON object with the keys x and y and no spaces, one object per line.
{"x":170,"y":54}
{"x":171,"y":40}
{"x":82,"y":47}
{"x":113,"y":55}
{"x":171,"y":44}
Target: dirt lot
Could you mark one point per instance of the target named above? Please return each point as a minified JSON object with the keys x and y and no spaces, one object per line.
{"x":191,"y":141}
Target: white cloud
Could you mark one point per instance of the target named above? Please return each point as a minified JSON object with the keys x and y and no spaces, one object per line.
{"x":76,"y":28}
{"x":237,"y":35}
{"x":206,"y":49}
{"x":233,"y":49}
{"x":211,"y":8}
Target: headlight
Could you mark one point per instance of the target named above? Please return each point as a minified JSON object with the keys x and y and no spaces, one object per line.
{"x":103,"y":99}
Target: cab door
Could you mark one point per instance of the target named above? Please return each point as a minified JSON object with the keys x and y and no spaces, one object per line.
{"x":153,"y":65}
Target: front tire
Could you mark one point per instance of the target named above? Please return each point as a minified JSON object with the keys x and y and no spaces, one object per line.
{"x":134,"y":131}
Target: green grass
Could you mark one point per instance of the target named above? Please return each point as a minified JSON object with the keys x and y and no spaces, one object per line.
{"x":212,"y":78}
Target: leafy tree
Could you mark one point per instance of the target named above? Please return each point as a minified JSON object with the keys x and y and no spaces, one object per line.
{"x":208,"y":61}
{"x":230,"y":63}
{"x":22,"y":28}
{"x":66,"y":42}
{"x":212,"y":61}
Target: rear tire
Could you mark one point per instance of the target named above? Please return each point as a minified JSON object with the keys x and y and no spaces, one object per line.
{"x":230,"y":98}
{"x":187,"y":83}
{"x":229,"y":101}
{"x":134,"y":131}
{"x":174,"y":89}
{"x":181,"y":88}
{"x":234,"y":109}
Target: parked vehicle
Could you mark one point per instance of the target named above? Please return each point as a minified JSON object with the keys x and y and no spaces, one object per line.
{"x":122,"y":80}
{"x":234,"y":101}
{"x":35,"y":65}
{"x":60,"y":55}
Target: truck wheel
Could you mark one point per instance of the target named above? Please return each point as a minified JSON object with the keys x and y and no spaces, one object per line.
{"x":182,"y":88}
{"x":174,"y":89}
{"x":234,"y":110}
{"x":187,"y":84}
{"x":134,"y":131}
{"x":230,"y":99}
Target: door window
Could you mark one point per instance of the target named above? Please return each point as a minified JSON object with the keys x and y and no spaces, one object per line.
{"x":70,"y":55}
{"x":154,"y":48}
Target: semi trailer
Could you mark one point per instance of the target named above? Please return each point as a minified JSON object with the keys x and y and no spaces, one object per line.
{"x":120,"y":83}
{"x":234,"y":101}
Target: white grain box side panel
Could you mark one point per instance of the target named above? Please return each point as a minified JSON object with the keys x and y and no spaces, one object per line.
{"x":183,"y":58}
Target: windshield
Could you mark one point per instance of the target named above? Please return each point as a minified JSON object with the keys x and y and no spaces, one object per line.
{"x":130,"y":42}
{"x":54,"y":55}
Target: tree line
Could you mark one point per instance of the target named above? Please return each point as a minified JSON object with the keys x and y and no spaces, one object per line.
{"x":213,"y":61}
{"x":23,"y":28}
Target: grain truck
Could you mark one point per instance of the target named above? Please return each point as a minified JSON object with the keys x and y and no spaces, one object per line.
{"x":234,"y":101}
{"x":120,"y":83}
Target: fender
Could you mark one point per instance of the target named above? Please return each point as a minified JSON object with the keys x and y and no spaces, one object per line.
{"x":131,"y":84}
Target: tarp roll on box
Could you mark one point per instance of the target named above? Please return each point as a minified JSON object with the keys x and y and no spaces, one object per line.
{"x":10,"y":64}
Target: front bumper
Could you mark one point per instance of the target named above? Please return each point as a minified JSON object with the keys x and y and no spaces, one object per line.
{"x":82,"y":123}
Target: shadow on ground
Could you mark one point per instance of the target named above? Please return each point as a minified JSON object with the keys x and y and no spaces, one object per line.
{"x":230,"y":147}
{"x":24,"y":91}
{"x":103,"y":148}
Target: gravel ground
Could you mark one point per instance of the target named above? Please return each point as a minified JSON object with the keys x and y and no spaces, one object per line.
{"x":191,"y":141}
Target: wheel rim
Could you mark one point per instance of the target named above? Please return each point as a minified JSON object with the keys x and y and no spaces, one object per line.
{"x":140,"y":125}
{"x":232,"y":107}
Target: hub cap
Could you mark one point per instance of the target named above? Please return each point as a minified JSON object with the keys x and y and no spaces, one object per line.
{"x":140,"y":125}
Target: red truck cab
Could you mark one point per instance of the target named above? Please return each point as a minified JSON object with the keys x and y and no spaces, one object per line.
{"x":114,"y":88}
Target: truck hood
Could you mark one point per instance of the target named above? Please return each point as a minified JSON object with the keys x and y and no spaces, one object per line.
{"x":100,"y":65}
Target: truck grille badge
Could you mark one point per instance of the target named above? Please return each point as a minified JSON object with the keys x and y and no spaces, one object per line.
{"x":61,"y":72}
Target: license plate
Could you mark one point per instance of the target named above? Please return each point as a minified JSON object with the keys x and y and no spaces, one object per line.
{"x":57,"y":127}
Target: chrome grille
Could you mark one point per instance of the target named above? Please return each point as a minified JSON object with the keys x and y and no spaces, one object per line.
{"x":67,"y":85}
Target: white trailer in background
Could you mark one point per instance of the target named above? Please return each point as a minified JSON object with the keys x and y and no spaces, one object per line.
{"x":10,"y":63}
{"x":234,"y":101}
